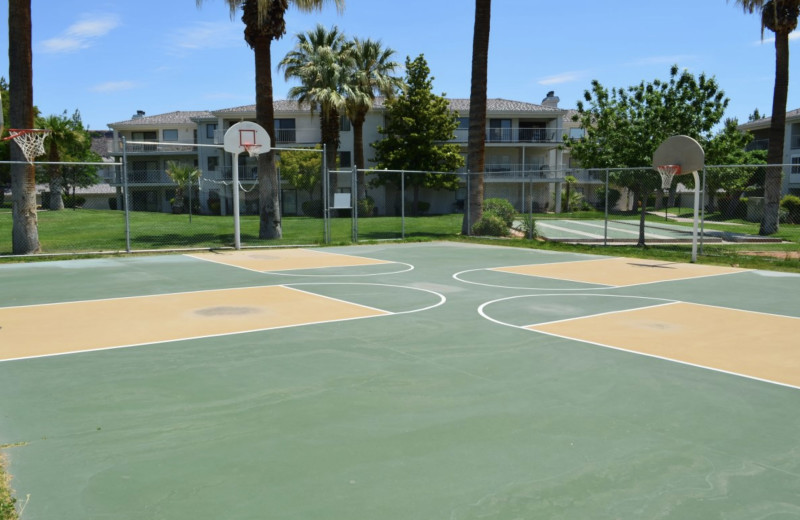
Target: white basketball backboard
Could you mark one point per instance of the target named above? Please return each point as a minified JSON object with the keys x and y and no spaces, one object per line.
{"x":245,"y":133}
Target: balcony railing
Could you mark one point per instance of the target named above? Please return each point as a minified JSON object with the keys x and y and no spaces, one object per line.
{"x":156,"y":147}
{"x":514,"y":135}
{"x":148,"y":176}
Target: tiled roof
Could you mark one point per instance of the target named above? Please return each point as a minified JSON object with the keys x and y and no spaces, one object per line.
{"x":502,"y":105}
{"x":175,"y":118}
{"x":288,"y":105}
{"x":765,"y":121}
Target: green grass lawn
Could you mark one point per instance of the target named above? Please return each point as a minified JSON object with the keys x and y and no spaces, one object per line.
{"x":88,"y":231}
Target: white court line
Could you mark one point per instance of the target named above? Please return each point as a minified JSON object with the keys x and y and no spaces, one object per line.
{"x":384,"y":313}
{"x":621,"y":230}
{"x":482,"y":312}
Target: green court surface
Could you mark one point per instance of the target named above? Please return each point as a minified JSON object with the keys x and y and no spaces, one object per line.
{"x":449,"y":404}
{"x":596,"y":230}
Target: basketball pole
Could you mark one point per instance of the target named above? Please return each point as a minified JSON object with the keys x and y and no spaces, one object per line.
{"x":696,"y":215}
{"x":237,"y":240}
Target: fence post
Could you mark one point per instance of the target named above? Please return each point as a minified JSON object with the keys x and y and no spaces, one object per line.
{"x":325,"y":201}
{"x":605,"y":227}
{"x":354,"y":196}
{"x":126,"y":198}
{"x":403,"y":205}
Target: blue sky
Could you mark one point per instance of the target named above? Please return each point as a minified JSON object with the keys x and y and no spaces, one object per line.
{"x":111,"y":58}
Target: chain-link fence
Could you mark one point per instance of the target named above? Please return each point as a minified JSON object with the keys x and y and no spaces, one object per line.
{"x":140,"y":208}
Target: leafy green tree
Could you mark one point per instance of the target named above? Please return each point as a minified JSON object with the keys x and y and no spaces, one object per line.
{"x":420,"y":124}
{"x":624,"y":126}
{"x":25,"y":225}
{"x":727,"y":147}
{"x":264,"y":21}
{"x":67,"y":141}
{"x":303,"y":170}
{"x":780,"y":17}
{"x":183,"y":175}
{"x":370,"y":76}
{"x":321,"y":60}
{"x":476,"y":137}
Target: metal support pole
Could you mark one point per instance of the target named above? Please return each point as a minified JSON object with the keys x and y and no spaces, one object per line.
{"x":696,"y":211}
{"x":237,"y":240}
{"x":354,"y":190}
{"x":403,"y":204}
{"x":703,"y":213}
{"x":126,"y":197}
{"x":469,"y":204}
{"x":325,"y":201}
{"x":605,"y":230}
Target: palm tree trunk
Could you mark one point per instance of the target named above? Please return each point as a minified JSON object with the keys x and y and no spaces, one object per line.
{"x":329,"y":121}
{"x":358,"y":154}
{"x":56,"y":180}
{"x":777,"y":129}
{"x":477,"y":114}
{"x":268,"y":184}
{"x":25,"y":230}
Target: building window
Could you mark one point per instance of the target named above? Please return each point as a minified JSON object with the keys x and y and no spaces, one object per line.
{"x":796,"y":165}
{"x":213,"y":163}
{"x":210,"y":129}
{"x":170,"y":135}
{"x":795,"y":140}
{"x":576,"y":133}
{"x":285,"y":131}
{"x":463,"y":123}
{"x":499,"y":130}
{"x":344,"y":124}
{"x":344,"y":160}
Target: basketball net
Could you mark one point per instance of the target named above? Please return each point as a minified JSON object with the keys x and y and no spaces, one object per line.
{"x":31,"y":142}
{"x":252,"y":149}
{"x":668,"y":171}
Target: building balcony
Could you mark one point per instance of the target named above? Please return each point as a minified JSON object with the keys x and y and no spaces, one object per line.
{"x":149,"y":177}
{"x":514,"y":135}
{"x":154,"y":148}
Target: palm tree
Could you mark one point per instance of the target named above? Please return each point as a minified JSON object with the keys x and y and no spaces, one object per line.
{"x":780,"y":17}
{"x":264,"y":22}
{"x":63,"y":139}
{"x":182,"y":175}
{"x":25,"y":229}
{"x":321,"y":61}
{"x":371,"y":76}
{"x":477,"y":114}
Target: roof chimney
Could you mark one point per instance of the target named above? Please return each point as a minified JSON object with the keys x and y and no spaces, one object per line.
{"x":138,"y":115}
{"x":551,"y":100}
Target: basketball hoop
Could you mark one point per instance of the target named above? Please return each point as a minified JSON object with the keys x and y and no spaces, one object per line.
{"x":252,"y":149}
{"x":30,"y":141}
{"x":668,"y":171}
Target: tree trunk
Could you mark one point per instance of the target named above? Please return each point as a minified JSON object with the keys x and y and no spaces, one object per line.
{"x":477,"y":114}
{"x":643,"y":211}
{"x":56,"y":180}
{"x":329,"y":127}
{"x":777,"y":129}
{"x":24,"y":231}
{"x":268,"y":184}
{"x":358,"y":153}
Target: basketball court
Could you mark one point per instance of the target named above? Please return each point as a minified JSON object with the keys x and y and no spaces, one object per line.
{"x":430,"y":380}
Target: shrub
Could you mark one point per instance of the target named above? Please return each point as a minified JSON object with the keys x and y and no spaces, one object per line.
{"x":74,"y":201}
{"x":791,"y":203}
{"x":422,"y":207}
{"x":313,"y":208}
{"x":502,"y":208}
{"x":366,"y":207}
{"x":613,"y":198}
{"x":490,"y":224}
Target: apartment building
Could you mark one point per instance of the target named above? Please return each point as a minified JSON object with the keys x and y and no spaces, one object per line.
{"x":791,"y":146}
{"x":525,"y":160}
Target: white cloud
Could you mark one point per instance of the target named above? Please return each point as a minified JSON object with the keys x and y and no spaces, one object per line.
{"x":82,"y":33}
{"x":114,"y":86}
{"x":565,"y":77}
{"x":795,"y":35}
{"x":207,"y":35}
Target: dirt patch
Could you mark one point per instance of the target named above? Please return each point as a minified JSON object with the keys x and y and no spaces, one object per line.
{"x":784,"y":255}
